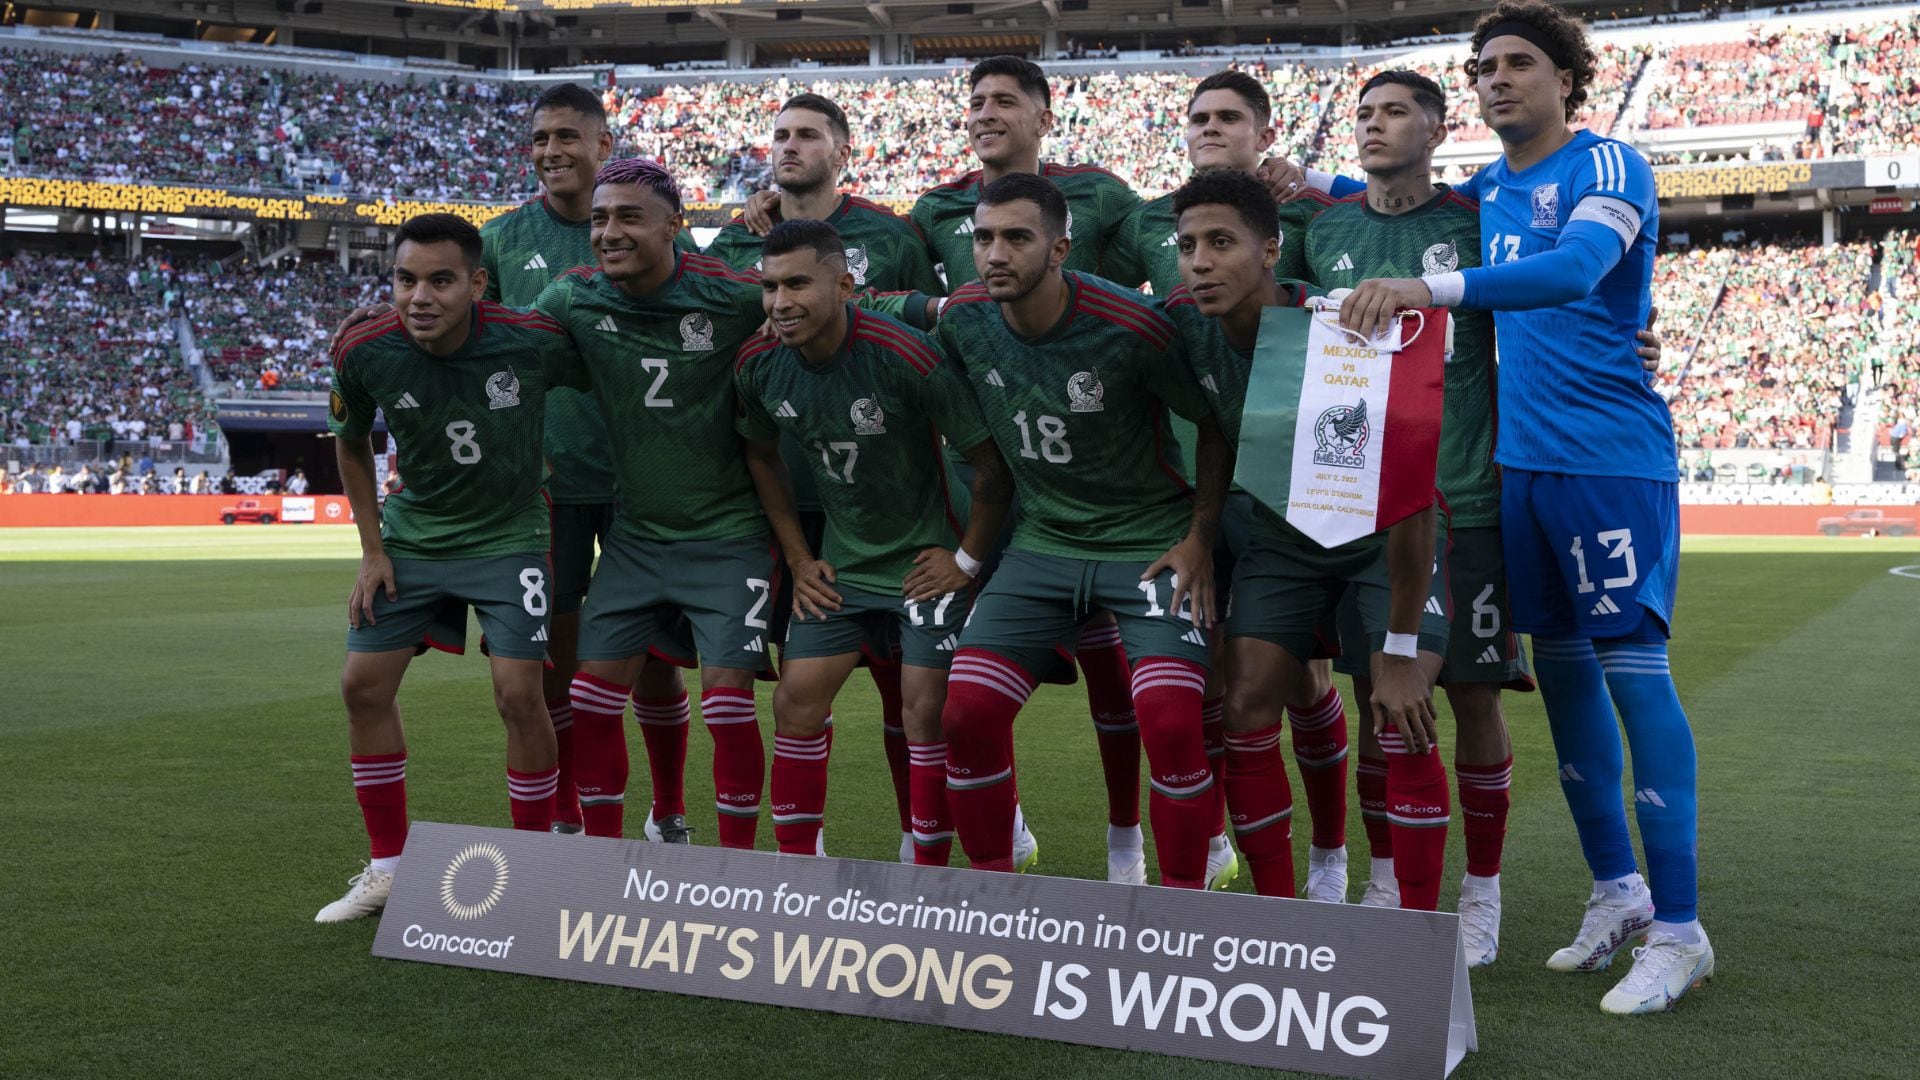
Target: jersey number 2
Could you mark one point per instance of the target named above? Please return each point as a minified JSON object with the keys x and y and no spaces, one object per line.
{"x":653,"y":400}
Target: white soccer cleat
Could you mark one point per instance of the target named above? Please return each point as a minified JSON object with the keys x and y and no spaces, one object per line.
{"x":1327,"y":875}
{"x":1126,"y":855}
{"x":1223,"y":863}
{"x":567,"y":828}
{"x":1026,"y":849}
{"x":673,"y":829}
{"x":1480,"y":924}
{"x":1614,"y":918}
{"x":1664,"y":969}
{"x":1383,"y":889}
{"x":906,"y":848}
{"x":367,"y":893}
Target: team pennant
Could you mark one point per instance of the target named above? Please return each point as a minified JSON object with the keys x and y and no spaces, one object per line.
{"x":1341,"y":436}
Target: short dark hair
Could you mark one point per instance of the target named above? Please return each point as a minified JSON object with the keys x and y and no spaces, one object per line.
{"x":836,"y":116}
{"x":442,"y":228}
{"x":1231,"y":187}
{"x":573,"y":96}
{"x":1426,"y":93}
{"x":1032,"y":80}
{"x":791,"y":236}
{"x":646,"y":173}
{"x":1241,"y":83}
{"x":1566,"y":34}
{"x":1028,"y":187}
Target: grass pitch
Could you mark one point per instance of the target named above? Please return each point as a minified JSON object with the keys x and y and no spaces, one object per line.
{"x":178,"y":807}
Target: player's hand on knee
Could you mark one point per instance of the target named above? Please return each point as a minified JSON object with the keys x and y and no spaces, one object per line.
{"x":1285,"y":179}
{"x":357,"y":316}
{"x":757,"y":215}
{"x":1191,"y":561}
{"x":813,"y":592}
{"x":1649,"y":343}
{"x":1402,"y":698}
{"x":376,"y":573}
{"x":935,"y":573}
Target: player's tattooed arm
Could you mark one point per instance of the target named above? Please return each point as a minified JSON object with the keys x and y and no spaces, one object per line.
{"x":1403,"y":686}
{"x":937,"y":571}
{"x":1191,"y":560}
{"x":376,"y":569}
{"x":813,"y":592}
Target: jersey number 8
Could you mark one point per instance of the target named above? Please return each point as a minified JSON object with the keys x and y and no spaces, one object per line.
{"x":465,"y":450}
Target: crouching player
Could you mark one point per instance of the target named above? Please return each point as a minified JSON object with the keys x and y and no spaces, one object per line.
{"x":463,"y":383}
{"x":869,"y":399}
{"x":1285,"y":586}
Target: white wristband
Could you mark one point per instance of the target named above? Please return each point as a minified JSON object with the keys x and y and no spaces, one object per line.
{"x":968,"y":565}
{"x":1448,"y":289}
{"x":1319,"y":181}
{"x":1407,"y":645}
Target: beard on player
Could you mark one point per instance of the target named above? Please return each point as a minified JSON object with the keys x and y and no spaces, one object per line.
{"x":632,"y":231}
{"x":807,"y":154}
{"x":1014,"y":250}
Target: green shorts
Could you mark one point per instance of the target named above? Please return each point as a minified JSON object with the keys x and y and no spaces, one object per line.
{"x":1285,"y":590}
{"x":1035,"y":602}
{"x":1483,"y":648}
{"x":870,"y":623}
{"x":508,"y":592}
{"x":577,"y":529}
{"x":642,"y":588}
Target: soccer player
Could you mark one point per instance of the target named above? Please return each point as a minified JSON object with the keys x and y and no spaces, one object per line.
{"x":463,"y":383}
{"x":811,"y":146}
{"x":1074,"y":375}
{"x":526,"y":248}
{"x":870,"y":398}
{"x":1404,"y":223}
{"x":1285,"y":586}
{"x":1589,"y":507}
{"x":1229,"y":126}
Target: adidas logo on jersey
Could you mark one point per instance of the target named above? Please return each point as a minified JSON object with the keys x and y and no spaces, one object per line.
{"x":1172,"y":240}
{"x":406,"y":402}
{"x":538,"y":262}
{"x":1345,"y":263}
{"x":786,"y":412}
{"x":540,"y":634}
{"x":948,"y":643}
{"x":994,"y":379}
{"x":1606,"y":606}
{"x":1207,"y":381}
{"x":1434,"y":608}
{"x":965,"y":228}
{"x":1650,"y":797}
{"x":1491,"y":656}
{"x":608,"y":325}
{"x":756,"y":645}
{"x":1194,"y":637}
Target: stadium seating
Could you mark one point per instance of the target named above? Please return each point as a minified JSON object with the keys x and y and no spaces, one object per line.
{"x":267,"y":329}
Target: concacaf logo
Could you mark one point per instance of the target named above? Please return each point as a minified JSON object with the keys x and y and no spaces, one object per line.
{"x":474,"y":881}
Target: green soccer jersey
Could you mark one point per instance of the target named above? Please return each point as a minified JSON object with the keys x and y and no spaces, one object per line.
{"x":1350,"y":243}
{"x":1080,"y":414}
{"x":662,"y":369}
{"x":1148,"y":249}
{"x":870,"y":421}
{"x":468,"y":426}
{"x":1098,"y":204}
{"x":526,"y":248}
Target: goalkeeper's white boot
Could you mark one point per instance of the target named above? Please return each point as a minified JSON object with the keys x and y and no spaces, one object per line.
{"x":1664,"y":969}
{"x":367,"y":893}
{"x":1223,"y":863}
{"x":1615,"y":916}
{"x":1383,"y":889}
{"x":1327,"y":874}
{"x":1480,"y":920}
{"x":1026,"y":849}
{"x":1126,"y":855}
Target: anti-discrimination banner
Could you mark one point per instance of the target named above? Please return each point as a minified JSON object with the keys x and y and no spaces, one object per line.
{"x":1340,"y":435}
{"x":1328,"y":988}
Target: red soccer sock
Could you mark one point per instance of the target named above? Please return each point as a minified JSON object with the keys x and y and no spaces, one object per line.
{"x":1213,"y":733}
{"x":1320,"y":747}
{"x":1417,"y":812}
{"x":1484,"y":801}
{"x":566,"y":800}
{"x":380,"y":786}
{"x":932,"y":825}
{"x":886,"y":679}
{"x":1260,"y":802}
{"x":1370,"y":778}
{"x":1166,"y":697}
{"x":739,"y":762}
{"x":530,"y":797}
{"x":1110,"y":698}
{"x":984,"y":694}
{"x":600,"y":754}
{"x":663,"y":724}
{"x":799,"y":791}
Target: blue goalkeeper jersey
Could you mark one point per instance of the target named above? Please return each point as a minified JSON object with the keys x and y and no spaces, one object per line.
{"x":1573,"y":396}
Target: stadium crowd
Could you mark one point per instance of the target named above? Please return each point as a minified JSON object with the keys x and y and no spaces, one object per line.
{"x":267,"y":329}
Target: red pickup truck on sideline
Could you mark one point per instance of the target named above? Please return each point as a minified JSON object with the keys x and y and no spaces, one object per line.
{"x":1865,"y":521}
{"x":247,"y":510}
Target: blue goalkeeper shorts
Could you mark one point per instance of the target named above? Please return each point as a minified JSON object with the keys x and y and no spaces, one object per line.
{"x":1590,"y":556}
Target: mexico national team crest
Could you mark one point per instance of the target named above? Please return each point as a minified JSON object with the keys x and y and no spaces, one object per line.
{"x":868,"y":417}
{"x":1085,"y":394}
{"x":696,"y":332}
{"x":503,"y":390}
{"x":1440,"y":259}
{"x":1340,"y":436}
{"x":1546,"y":206}
{"x":857,"y":264}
